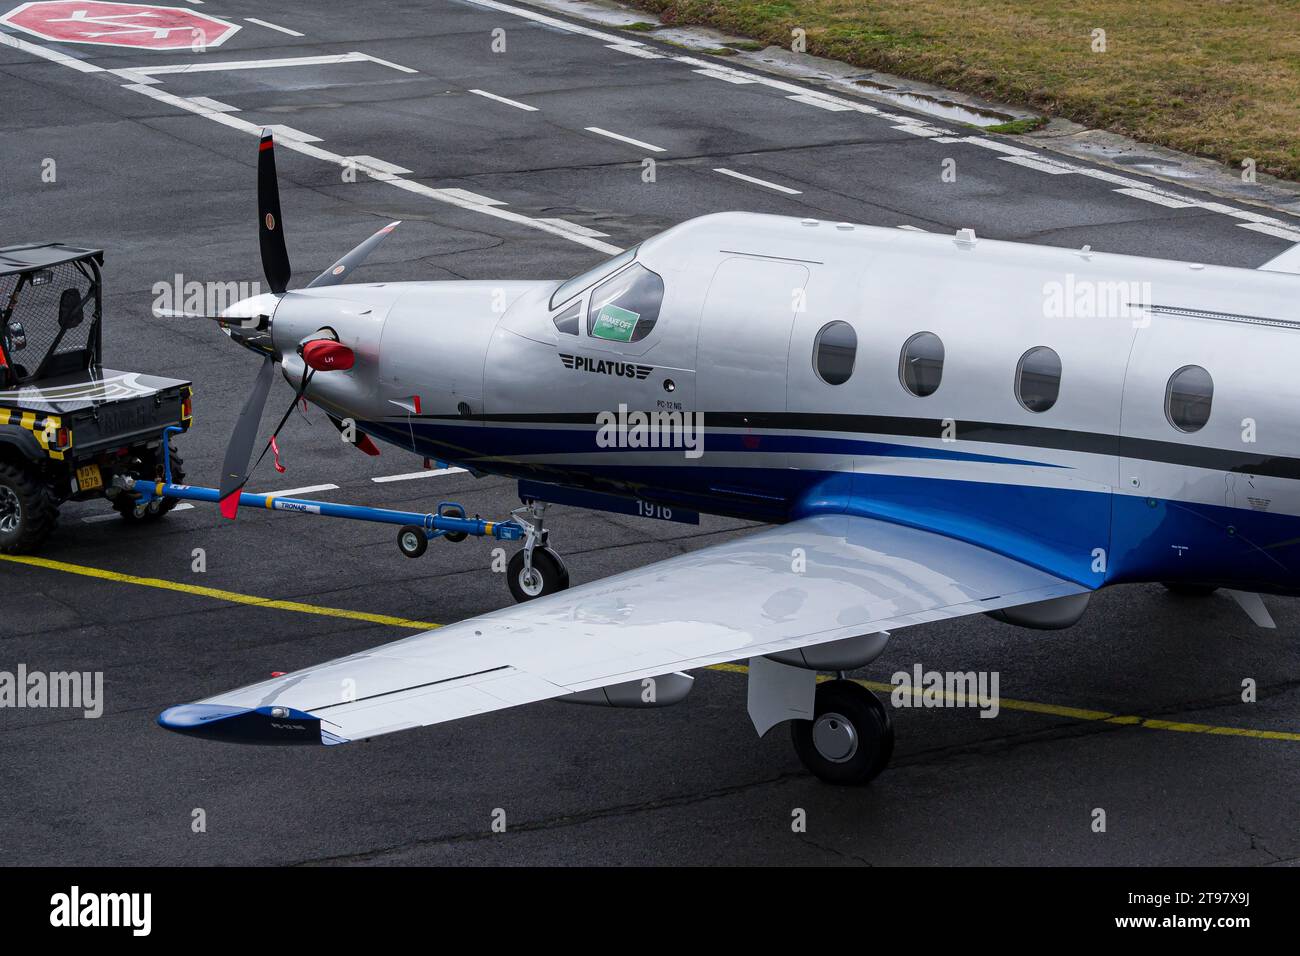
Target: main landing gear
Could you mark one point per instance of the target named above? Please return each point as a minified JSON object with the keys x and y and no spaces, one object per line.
{"x":536,"y":569}
{"x":850,"y":738}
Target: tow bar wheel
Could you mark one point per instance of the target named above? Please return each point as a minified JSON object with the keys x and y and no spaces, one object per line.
{"x":547,"y":575}
{"x":412,"y":541}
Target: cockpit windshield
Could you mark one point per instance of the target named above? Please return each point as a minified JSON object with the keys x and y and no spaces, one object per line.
{"x":593,"y":275}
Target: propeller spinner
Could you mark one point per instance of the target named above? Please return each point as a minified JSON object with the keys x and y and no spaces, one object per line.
{"x":275,"y":263}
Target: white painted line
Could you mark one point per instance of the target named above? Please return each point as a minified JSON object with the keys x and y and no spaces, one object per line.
{"x":1280,"y":232}
{"x":554,"y":22}
{"x":506,"y":100}
{"x":758,"y":182}
{"x":994,"y":145}
{"x":420,"y":474}
{"x":288,"y":492}
{"x":913,"y":228}
{"x":283,"y":132}
{"x":626,"y":139}
{"x":810,"y":99}
{"x":643,"y":52}
{"x":377,"y":168}
{"x":47,"y":53}
{"x":1041,"y":165}
{"x":917,"y":130}
{"x":466,"y":196}
{"x":272,"y":26}
{"x":180,"y":102}
{"x":1160,"y":200}
{"x":727,"y":76}
{"x":203,"y":66}
{"x":576,"y":229}
{"x":949,"y":139}
{"x":215,"y":106}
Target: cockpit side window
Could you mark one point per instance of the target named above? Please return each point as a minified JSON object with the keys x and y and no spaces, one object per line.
{"x":625,"y":307}
{"x":567,"y":321}
{"x":593,"y":275}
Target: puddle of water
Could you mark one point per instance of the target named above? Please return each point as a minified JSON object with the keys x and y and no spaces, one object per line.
{"x":1157,"y":166}
{"x":933,"y":105}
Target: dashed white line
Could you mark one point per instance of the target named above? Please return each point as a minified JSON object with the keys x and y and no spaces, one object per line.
{"x":466,"y":196}
{"x":431,"y":473}
{"x":114,"y":516}
{"x":758,"y":182}
{"x":822,"y":102}
{"x":727,"y":76}
{"x":215,"y":106}
{"x":506,"y":100}
{"x":287,"y":492}
{"x":1147,"y":196}
{"x":643,"y":52}
{"x":49,"y":54}
{"x":1042,"y":165}
{"x":625,"y":139}
{"x":283,"y":132}
{"x":1268,"y":229}
{"x":272,"y":26}
{"x":277,"y":63}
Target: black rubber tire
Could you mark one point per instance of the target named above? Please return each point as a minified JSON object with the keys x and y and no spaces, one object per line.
{"x":554,"y":575}
{"x":37,"y":509}
{"x":1189,"y":590}
{"x":413,"y":536}
{"x":454,"y":511}
{"x":126,"y":504}
{"x":870,"y":721}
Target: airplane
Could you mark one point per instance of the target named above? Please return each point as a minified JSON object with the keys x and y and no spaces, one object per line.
{"x":935,"y":426}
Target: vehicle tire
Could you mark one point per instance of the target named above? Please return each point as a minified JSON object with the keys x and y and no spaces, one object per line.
{"x":1189,"y":590}
{"x":135,"y":511}
{"x":549,"y":575}
{"x":412,"y":541}
{"x":28,"y":510}
{"x":453,"y":511}
{"x":851,"y":736}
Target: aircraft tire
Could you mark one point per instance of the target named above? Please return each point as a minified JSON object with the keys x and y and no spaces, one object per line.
{"x":850,"y":738}
{"x":549,"y":575}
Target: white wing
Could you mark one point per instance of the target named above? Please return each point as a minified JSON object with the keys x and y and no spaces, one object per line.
{"x":811,"y":581}
{"x":1288,"y":261}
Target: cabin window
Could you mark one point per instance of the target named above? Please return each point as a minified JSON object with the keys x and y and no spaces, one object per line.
{"x":1038,"y":379}
{"x":625,"y":307}
{"x":583,"y":280}
{"x":834,"y":352}
{"x":567,"y":321}
{"x":1188,"y":398}
{"x":920,"y":365}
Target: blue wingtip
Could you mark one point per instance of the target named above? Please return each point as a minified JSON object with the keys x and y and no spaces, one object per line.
{"x":246,"y":725}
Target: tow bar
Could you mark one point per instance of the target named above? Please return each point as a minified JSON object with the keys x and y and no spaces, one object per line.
{"x":418,"y":530}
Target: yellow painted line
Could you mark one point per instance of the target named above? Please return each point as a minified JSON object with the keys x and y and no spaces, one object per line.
{"x":1027,"y":706}
{"x":234,"y":597}
{"x":1073,"y":713}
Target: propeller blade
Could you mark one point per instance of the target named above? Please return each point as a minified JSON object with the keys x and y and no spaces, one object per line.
{"x":234,"y":470}
{"x":270,"y":228}
{"x":341,"y":269}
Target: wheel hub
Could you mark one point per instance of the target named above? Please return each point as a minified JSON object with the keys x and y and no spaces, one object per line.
{"x":11,"y":510}
{"x":530,"y":581}
{"x":835,"y":738}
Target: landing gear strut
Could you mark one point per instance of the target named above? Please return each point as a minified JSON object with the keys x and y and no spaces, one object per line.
{"x":850,"y":738}
{"x":536,"y":569}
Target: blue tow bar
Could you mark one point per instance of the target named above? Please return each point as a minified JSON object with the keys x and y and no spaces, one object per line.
{"x":450,"y":518}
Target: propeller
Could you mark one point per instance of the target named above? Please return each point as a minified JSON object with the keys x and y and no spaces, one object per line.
{"x":275,"y":263}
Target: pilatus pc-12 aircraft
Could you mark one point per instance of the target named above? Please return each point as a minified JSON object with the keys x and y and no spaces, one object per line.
{"x":936,"y":426}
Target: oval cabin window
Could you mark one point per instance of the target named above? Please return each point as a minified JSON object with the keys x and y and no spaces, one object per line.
{"x":834,"y":352}
{"x":1188,"y":398}
{"x":920,"y":367}
{"x":1038,"y":379}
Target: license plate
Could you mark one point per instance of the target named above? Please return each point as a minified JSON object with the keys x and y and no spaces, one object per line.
{"x":88,"y":477}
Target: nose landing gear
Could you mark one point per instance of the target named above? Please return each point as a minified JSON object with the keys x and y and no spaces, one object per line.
{"x":536,"y":569}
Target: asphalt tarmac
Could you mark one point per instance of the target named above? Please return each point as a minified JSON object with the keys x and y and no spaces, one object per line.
{"x":167,"y":188}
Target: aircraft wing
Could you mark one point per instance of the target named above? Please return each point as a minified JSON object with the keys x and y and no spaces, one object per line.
{"x":1288,"y":261}
{"x":819,"y":579}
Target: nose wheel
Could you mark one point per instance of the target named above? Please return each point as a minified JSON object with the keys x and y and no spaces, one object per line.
{"x":536,"y":570}
{"x":850,"y":738}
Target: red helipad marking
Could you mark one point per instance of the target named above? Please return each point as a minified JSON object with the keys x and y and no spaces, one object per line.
{"x":138,"y":25}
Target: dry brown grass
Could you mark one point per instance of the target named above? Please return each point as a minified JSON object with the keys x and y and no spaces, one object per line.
{"x":1216,"y":78}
